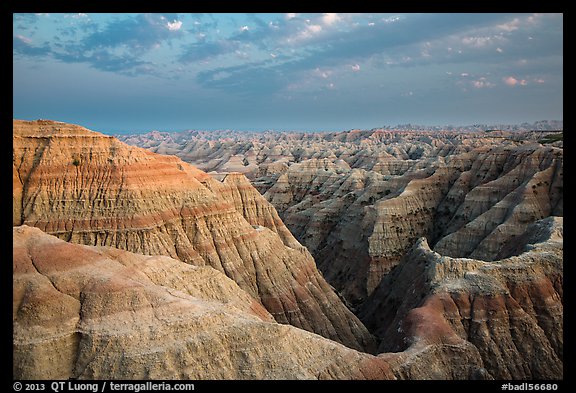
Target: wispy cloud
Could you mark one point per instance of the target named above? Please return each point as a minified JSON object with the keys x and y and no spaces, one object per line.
{"x":321,"y":46}
{"x":369,"y":64}
{"x":137,"y":34}
{"x":24,"y":46}
{"x":118,"y":46}
{"x":288,"y":46}
{"x":202,"y":51}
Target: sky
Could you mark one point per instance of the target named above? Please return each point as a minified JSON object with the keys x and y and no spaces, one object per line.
{"x":327,"y":71}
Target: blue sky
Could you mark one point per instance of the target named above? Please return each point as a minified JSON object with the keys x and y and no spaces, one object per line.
{"x":138,"y":72}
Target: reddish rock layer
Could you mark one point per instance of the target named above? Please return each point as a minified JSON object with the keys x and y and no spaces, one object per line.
{"x":358,"y":200}
{"x":508,"y":313}
{"x":101,"y":313}
{"x":88,"y":188}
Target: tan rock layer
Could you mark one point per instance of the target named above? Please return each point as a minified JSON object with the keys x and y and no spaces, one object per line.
{"x":101,"y":313}
{"x":91,"y":189}
{"x":509,"y":313}
{"x":358,"y":224}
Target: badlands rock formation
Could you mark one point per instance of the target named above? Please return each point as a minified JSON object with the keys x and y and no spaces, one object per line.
{"x":509,"y":312}
{"x":94,"y":312}
{"x":88,"y":188}
{"x":358,"y":200}
{"x":88,"y":312}
{"x":449,"y":247}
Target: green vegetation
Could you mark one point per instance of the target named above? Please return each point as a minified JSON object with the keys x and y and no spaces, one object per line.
{"x":76,"y":162}
{"x":552,"y":138}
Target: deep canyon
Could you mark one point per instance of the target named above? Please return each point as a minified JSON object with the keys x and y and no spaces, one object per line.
{"x":346,"y":255}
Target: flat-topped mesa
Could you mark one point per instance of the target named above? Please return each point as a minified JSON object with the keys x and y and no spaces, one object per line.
{"x":100,"y":191}
{"x":48,"y":128}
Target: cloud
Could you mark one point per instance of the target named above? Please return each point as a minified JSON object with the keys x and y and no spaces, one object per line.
{"x":76,"y":16}
{"x":206,"y":50}
{"x":23,"y":40}
{"x":308,"y":32}
{"x":330,"y":18}
{"x":138,"y":34}
{"x":297,"y":44}
{"x":324,"y":74}
{"x":174,"y":26}
{"x":511,"y":81}
{"x":476,"y":42}
{"x":105,"y":61}
{"x":306,"y":43}
{"x":119,"y":45}
{"x":482,"y":83}
{"x":256,"y":79}
{"x":510,"y":26}
{"x":23,"y":46}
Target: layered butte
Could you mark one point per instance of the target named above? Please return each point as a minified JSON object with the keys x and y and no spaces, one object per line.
{"x":88,"y":188}
{"x":359,"y":200}
{"x":130,"y":264}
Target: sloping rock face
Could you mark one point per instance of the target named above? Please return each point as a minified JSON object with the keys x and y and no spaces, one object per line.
{"x":505,"y":317}
{"x":88,"y":188}
{"x":358,"y":200}
{"x":94,"y":312}
{"x":360,"y":223}
{"x":449,"y":245}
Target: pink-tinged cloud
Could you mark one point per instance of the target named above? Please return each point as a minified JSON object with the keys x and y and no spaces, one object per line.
{"x":314,"y":28}
{"x":511,"y":81}
{"x":330,"y":18}
{"x":24,"y":39}
{"x":510,"y":26}
{"x":482,"y":83}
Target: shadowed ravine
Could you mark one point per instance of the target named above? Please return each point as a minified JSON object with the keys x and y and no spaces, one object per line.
{"x":142,"y":266}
